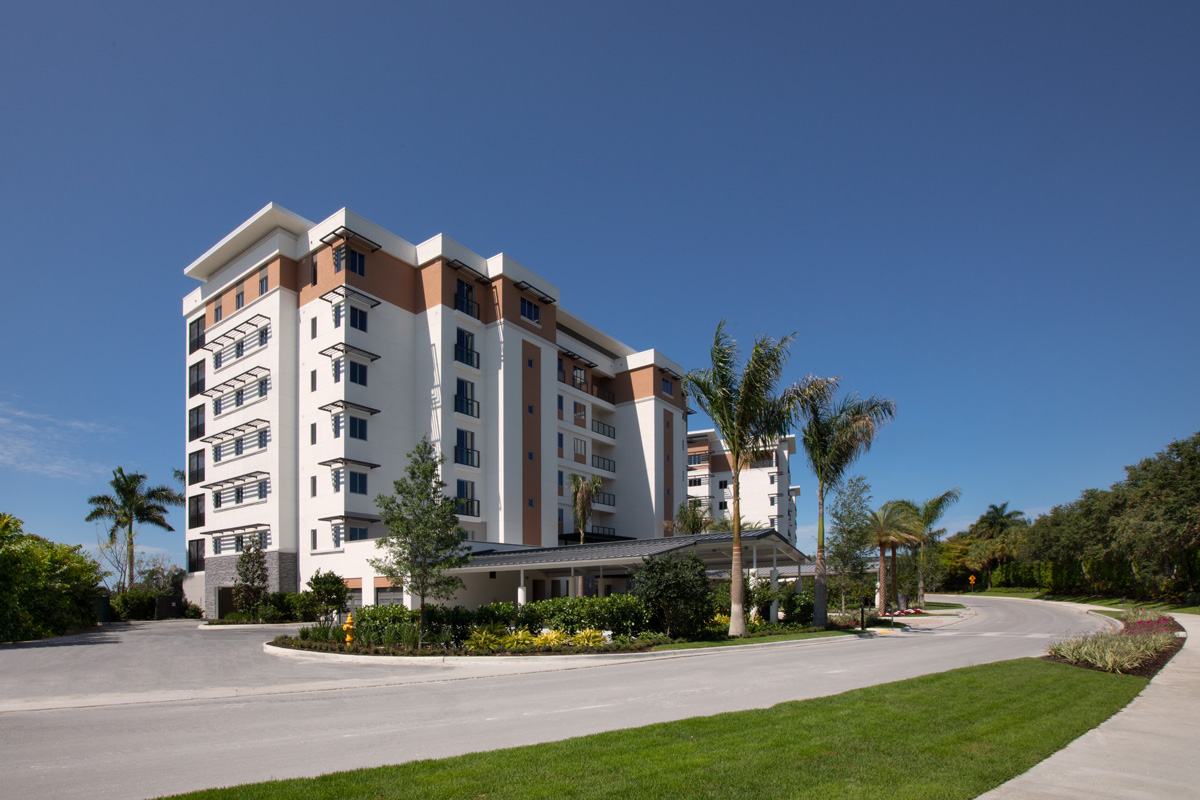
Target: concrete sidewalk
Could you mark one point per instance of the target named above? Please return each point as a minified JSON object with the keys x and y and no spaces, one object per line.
{"x":1147,"y":751}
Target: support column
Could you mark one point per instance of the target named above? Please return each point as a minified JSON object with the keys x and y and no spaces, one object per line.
{"x":774,"y":583}
{"x":521,"y":590}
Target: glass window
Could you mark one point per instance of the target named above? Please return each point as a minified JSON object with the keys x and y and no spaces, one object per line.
{"x":358,"y":319}
{"x":358,"y":373}
{"x":262,"y":438}
{"x":218,"y":357}
{"x":239,"y":397}
{"x":217,"y":312}
{"x":195,"y":335}
{"x":312,"y":381}
{"x":239,"y":299}
{"x":312,"y":433}
{"x":531,"y":311}
{"x":195,"y":379}
{"x":216,"y":453}
{"x":239,"y":493}
{"x":580,"y":447}
{"x":262,"y":490}
{"x":238,"y":543}
{"x":195,"y":423}
{"x":580,"y":412}
{"x":337,"y":316}
{"x":358,"y":428}
{"x":312,"y":486}
{"x":262,"y":282}
{"x":239,"y":349}
{"x":358,"y":483}
{"x":668,"y":386}
{"x":217,"y":498}
{"x":262,"y":388}
{"x":312,"y":539}
{"x":262,"y":337}
{"x":337,"y":427}
{"x":357,"y":263}
{"x":238,"y":446}
{"x":312,"y":328}
{"x":355,"y":534}
{"x":337,"y":371}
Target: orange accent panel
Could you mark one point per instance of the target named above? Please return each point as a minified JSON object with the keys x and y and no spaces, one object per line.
{"x":353,"y":583}
{"x":531,"y":442}
{"x":388,"y":278}
{"x":384,"y":583}
{"x":668,"y":466}
{"x":719,"y":462}
{"x":507,"y":304}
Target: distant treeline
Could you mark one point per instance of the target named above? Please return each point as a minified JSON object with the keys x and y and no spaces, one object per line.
{"x":1140,"y":538}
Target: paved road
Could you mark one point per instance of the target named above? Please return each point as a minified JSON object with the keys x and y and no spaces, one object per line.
{"x":196,"y":709}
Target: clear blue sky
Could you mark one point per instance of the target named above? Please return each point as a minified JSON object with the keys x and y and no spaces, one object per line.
{"x":988,"y":212}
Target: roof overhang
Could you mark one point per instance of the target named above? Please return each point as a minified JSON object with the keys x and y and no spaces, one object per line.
{"x":270,"y":218}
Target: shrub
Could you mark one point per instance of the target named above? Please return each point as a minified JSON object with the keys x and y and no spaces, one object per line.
{"x":552,"y":640}
{"x":588,"y":638}
{"x":677,"y":593}
{"x":303,"y":606}
{"x":135,"y":604}
{"x":519,"y":641}
{"x":192,"y":611}
{"x":1112,"y":652}
{"x":483,"y":640}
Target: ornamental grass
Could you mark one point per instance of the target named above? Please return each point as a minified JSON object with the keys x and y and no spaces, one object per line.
{"x":1144,"y":636}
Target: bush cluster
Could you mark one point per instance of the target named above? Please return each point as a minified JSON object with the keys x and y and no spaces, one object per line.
{"x":47,"y":588}
{"x":1145,"y":635}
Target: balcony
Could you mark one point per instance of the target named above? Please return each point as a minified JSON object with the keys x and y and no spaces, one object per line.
{"x":466,"y":305}
{"x":466,"y":506}
{"x":466,"y":356}
{"x":195,"y":432}
{"x":466,"y":405}
{"x":604,"y":430}
{"x":604,"y":499}
{"x":582,"y":385}
{"x":465,"y":455}
{"x":697,"y":459}
{"x":600,"y":462}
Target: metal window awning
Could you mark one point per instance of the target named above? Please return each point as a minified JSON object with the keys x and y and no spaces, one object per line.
{"x":236,"y":431}
{"x":474,"y":273}
{"x":250,"y":528}
{"x":338,"y":406}
{"x":670,"y":373}
{"x":343,"y":349}
{"x":526,"y":286}
{"x":239,"y":480}
{"x":237,"y":382}
{"x":347,"y":462}
{"x":350,"y":515}
{"x":344,"y":292}
{"x":240,"y":331}
{"x":587,"y":362}
{"x":344,"y":233}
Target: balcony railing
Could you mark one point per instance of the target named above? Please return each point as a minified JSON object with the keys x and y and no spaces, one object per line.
{"x":196,"y":520}
{"x":466,"y":305}
{"x":465,"y":455}
{"x":195,"y":562}
{"x":697,"y":459}
{"x":604,"y":430}
{"x":466,"y":355}
{"x":465,"y":405}
{"x":194,"y":344}
{"x":600,"y":462}
{"x":583,"y":386}
{"x":195,"y":432}
{"x":605,"y":498}
{"x":604,"y":530}
{"x":466,"y":507}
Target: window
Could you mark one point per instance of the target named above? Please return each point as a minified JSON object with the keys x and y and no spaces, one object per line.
{"x":358,"y":373}
{"x":337,"y":370}
{"x":560,"y":405}
{"x":580,"y":414}
{"x":196,"y":555}
{"x":560,"y":441}
{"x":772,"y":499}
{"x":358,"y":428}
{"x":668,"y":386}
{"x":312,"y":381}
{"x":196,"y":511}
{"x":216,"y":453}
{"x":238,"y":543}
{"x":560,"y":480}
{"x":464,"y":299}
{"x":354,"y":534}
{"x":239,"y":349}
{"x":465,"y":500}
{"x":195,"y":379}
{"x":722,"y":505}
{"x":238,"y":446}
{"x":695,"y":482}
{"x":218,"y":357}
{"x":358,"y":483}
{"x":723,"y":484}
{"x":239,"y":493}
{"x":262,"y":283}
{"x":216,"y":406}
{"x":239,"y":299}
{"x":772,"y":480}
{"x":531,"y":311}
{"x":314,"y":269}
{"x":195,"y":423}
{"x":464,"y":349}
{"x":195,"y":335}
{"x":312,"y":433}
{"x":337,"y":316}
{"x":262,"y":388}
{"x":262,"y":337}
{"x":217,"y":312}
{"x":312,"y":539}
{"x":358,"y":319}
{"x":464,"y":398}
{"x":337,"y":427}
{"x":312,"y":486}
{"x":580,"y":447}
{"x":195,"y":467}
{"x":262,"y":490}
{"x":579,"y":378}
{"x":217,"y":498}
{"x":262,"y":438}
{"x":357,"y":263}
{"x":216,"y":546}
{"x":239,"y":397}
{"x":464,"y":450}
{"x":312,"y":328}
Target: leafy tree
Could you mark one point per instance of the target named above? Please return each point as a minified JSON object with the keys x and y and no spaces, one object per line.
{"x":677,"y":592}
{"x":691,"y":518}
{"x":423,"y":539}
{"x":250,"y":581}
{"x":583,"y":494}
{"x":849,"y":538}
{"x":330,"y":594}
{"x":991,"y":538}
{"x":892,"y":524}
{"x":157,"y":574}
{"x":836,"y":432}
{"x":750,"y":416}
{"x":929,"y":513}
{"x":48,"y":588}
{"x":130,"y":504}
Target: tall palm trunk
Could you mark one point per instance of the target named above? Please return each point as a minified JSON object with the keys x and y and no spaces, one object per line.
{"x":129,"y":572}
{"x":895,"y":583}
{"x":820,"y":580}
{"x":921,"y":576}
{"x":881,"y":602}
{"x":737,"y":593}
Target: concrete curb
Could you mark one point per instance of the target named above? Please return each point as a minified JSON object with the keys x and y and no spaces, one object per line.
{"x":277,"y":626}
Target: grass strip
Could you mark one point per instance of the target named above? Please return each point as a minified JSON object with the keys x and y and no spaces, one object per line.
{"x":781,"y":637}
{"x":1111,"y":602}
{"x":949,"y":736}
{"x":943,"y":606}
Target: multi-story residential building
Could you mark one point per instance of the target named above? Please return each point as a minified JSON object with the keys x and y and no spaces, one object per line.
{"x":767,"y":494}
{"x":319,"y":353}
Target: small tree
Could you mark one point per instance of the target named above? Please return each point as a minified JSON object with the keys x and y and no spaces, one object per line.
{"x":330,"y":593}
{"x":583,"y":494}
{"x":250,"y":582}
{"x":849,"y":538}
{"x":423,"y":539}
{"x":692,"y":518}
{"x":677,"y":592}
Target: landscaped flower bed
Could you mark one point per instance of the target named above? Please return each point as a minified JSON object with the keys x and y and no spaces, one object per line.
{"x":1143,"y":647}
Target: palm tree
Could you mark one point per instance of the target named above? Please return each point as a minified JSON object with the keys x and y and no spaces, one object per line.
{"x":130,"y":504}
{"x":750,"y":418}
{"x":583,"y":494}
{"x":929,"y":513}
{"x":725,"y":524}
{"x":992,"y":527}
{"x":835,"y":434}
{"x":692,"y":518}
{"x":892,"y":524}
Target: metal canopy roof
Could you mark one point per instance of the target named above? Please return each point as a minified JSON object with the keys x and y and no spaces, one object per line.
{"x":351,"y":515}
{"x":344,"y":462}
{"x":261,"y":526}
{"x":344,"y":233}
{"x":237,"y":382}
{"x":239,"y":480}
{"x":343,"y":349}
{"x":476,"y":274}
{"x":344,"y":292}
{"x":239,"y":331}
{"x":526,"y":286}
{"x":714,"y":548}
{"x":236,"y":431}
{"x":346,"y":405}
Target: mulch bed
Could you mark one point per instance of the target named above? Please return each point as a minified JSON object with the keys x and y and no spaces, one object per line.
{"x":1147,"y":669}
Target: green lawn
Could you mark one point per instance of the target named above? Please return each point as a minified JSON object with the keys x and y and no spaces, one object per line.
{"x":782,"y":637}
{"x":948,"y":736}
{"x":1111,"y":602}
{"x":943,"y":606}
